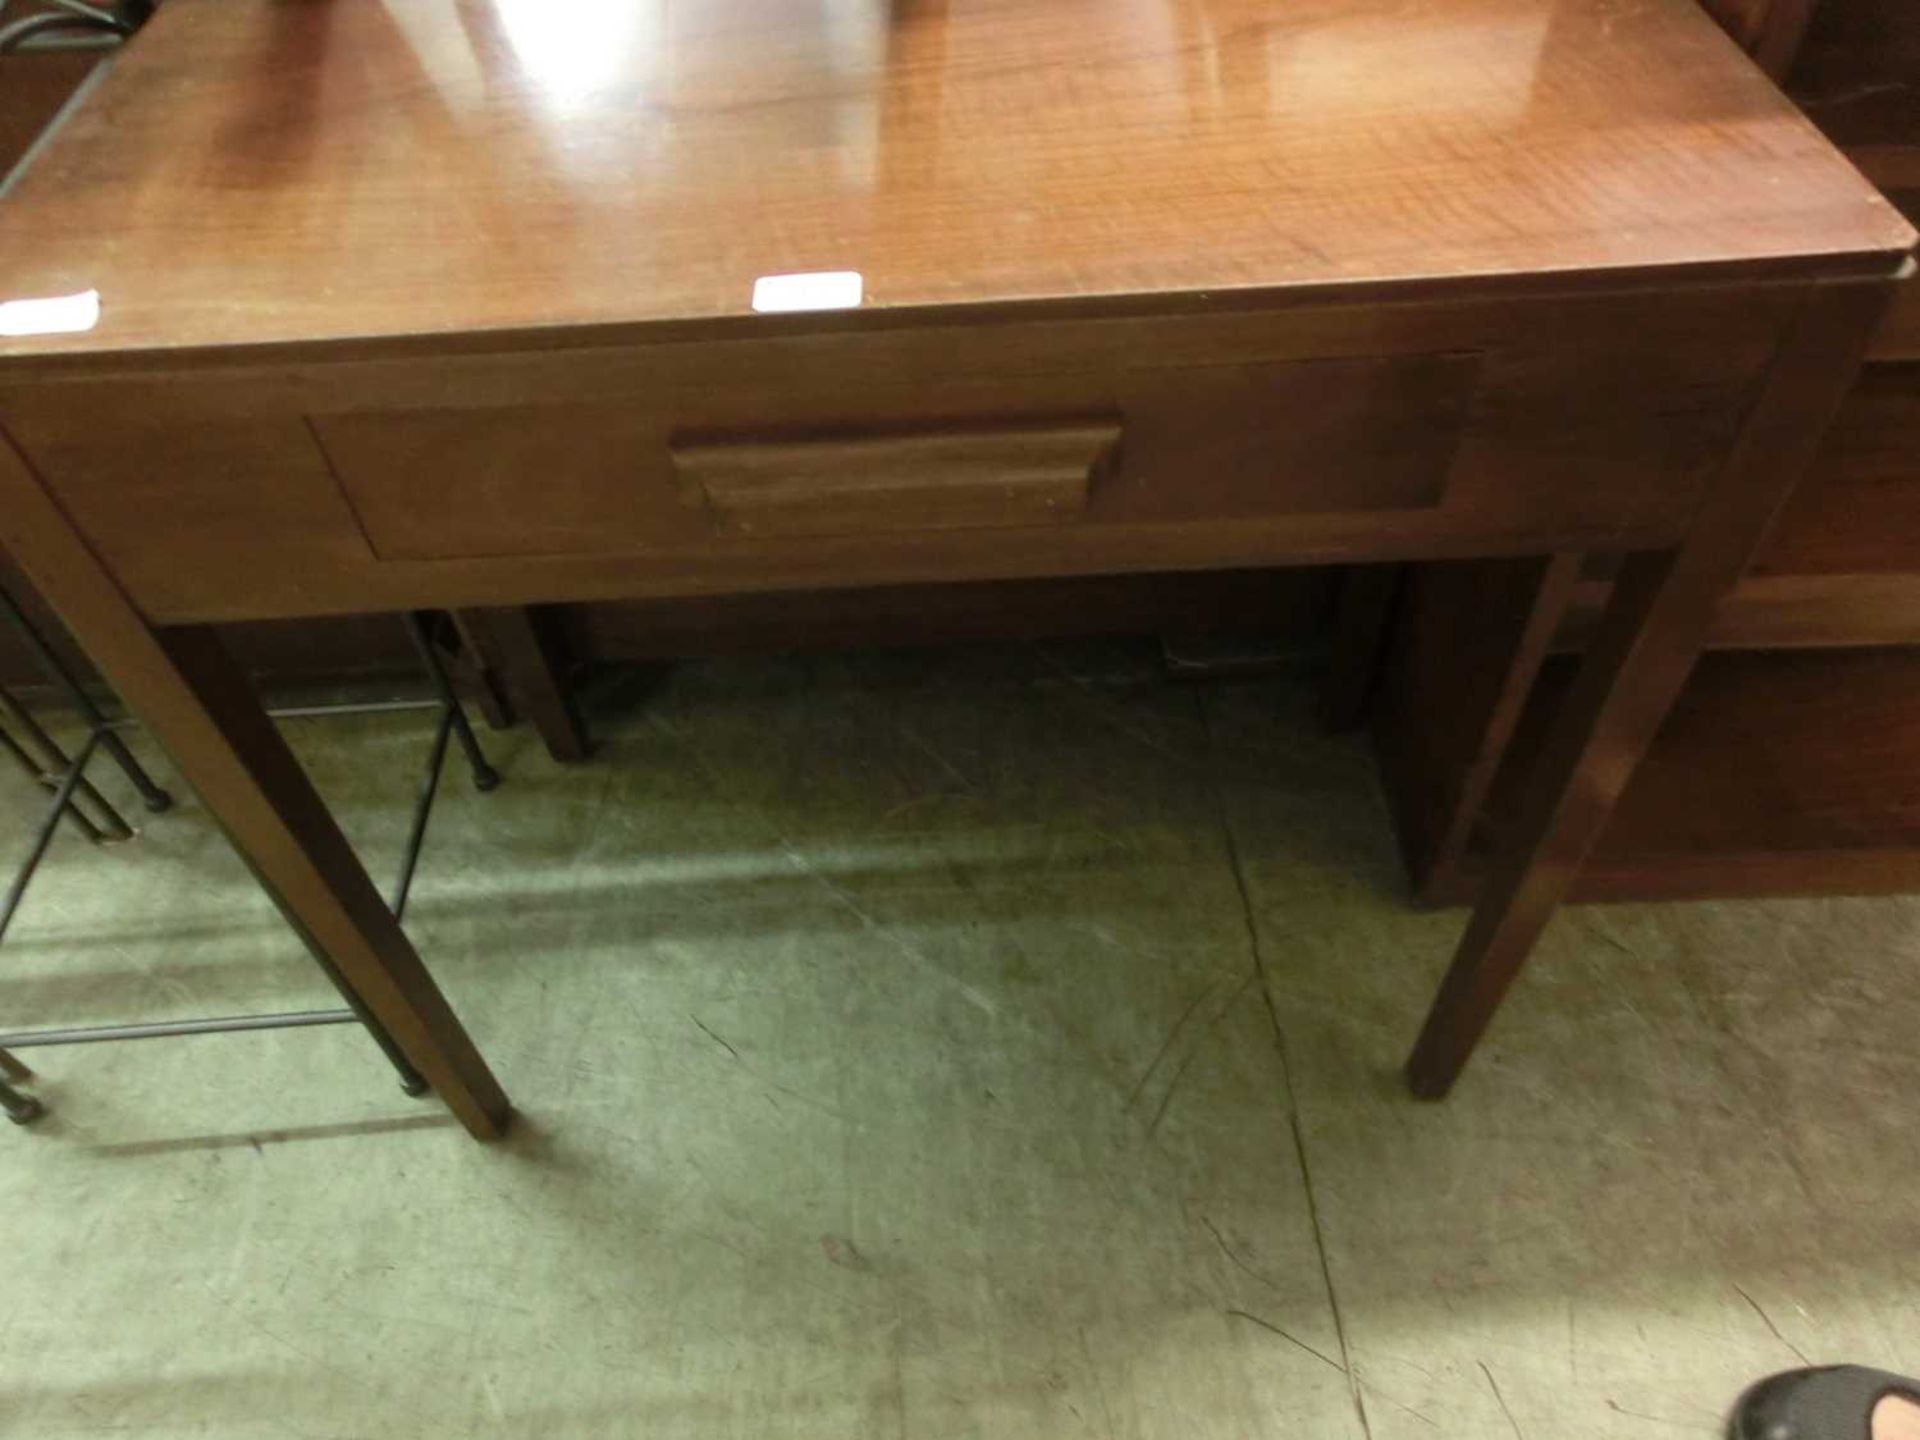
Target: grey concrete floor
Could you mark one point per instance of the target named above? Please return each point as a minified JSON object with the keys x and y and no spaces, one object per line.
{"x":990,"y":1042}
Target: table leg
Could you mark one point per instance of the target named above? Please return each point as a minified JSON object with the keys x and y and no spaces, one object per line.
{"x":196,"y":702}
{"x":1362,"y":620}
{"x":517,"y":645}
{"x":1648,"y":641}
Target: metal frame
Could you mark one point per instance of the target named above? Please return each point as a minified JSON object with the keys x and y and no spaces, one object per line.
{"x":73,"y":25}
{"x":65,"y":776}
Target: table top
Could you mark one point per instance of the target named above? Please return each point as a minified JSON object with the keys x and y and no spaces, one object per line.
{"x":260,"y":171}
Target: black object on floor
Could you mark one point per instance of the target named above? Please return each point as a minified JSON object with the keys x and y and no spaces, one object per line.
{"x":1830,"y":1403}
{"x":64,"y":776}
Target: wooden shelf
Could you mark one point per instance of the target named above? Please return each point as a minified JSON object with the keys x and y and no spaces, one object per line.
{"x":1793,"y":773}
{"x":1791,"y":764}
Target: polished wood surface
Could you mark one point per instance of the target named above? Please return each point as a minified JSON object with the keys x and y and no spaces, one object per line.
{"x":257,"y":173}
{"x":1197,"y":285}
{"x":945,"y":477}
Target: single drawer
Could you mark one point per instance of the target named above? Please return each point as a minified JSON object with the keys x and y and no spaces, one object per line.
{"x":1056,"y":451}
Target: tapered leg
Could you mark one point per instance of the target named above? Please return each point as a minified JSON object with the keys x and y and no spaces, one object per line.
{"x":1469,"y":641}
{"x":1648,"y":641}
{"x":1609,"y":718}
{"x":1363,"y":615}
{"x":198,"y":705}
{"x":271,"y":810}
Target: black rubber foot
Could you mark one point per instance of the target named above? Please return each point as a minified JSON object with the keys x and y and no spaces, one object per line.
{"x":485,"y":780}
{"x":27,"y":1113}
{"x":416,"y":1086}
{"x":159,"y":802}
{"x":1425,"y":1086}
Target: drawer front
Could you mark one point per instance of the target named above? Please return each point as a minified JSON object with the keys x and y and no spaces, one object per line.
{"x":1058,"y":451}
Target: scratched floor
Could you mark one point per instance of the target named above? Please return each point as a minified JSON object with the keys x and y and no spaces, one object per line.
{"x":996,"y":1042}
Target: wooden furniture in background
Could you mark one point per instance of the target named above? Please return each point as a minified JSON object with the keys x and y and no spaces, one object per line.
{"x":33,"y":87}
{"x":1341,"y":284}
{"x":1792,"y":764}
{"x":1770,"y":30}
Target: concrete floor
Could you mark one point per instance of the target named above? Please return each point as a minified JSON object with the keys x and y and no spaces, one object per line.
{"x":995,"y":1042}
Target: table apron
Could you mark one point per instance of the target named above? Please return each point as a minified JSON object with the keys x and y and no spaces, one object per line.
{"x":244,"y":489}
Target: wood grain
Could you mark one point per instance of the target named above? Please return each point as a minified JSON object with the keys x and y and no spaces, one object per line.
{"x":1776,"y":774}
{"x":1825,"y":612}
{"x":942,"y":478}
{"x":644,"y":166}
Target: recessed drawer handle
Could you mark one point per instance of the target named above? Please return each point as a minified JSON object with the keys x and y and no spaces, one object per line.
{"x":956,"y":477}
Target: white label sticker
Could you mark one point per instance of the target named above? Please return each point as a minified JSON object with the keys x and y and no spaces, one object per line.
{"x":812,"y":290}
{"x":54,"y":315}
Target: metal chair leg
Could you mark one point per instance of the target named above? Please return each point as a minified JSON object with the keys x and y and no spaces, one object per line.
{"x":485,"y":777}
{"x":71,"y":783}
{"x":43,"y":836}
{"x":30,"y":768}
{"x":151,"y":794}
{"x":21,"y":1109}
{"x":411,"y":1080}
{"x":45,"y":769}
